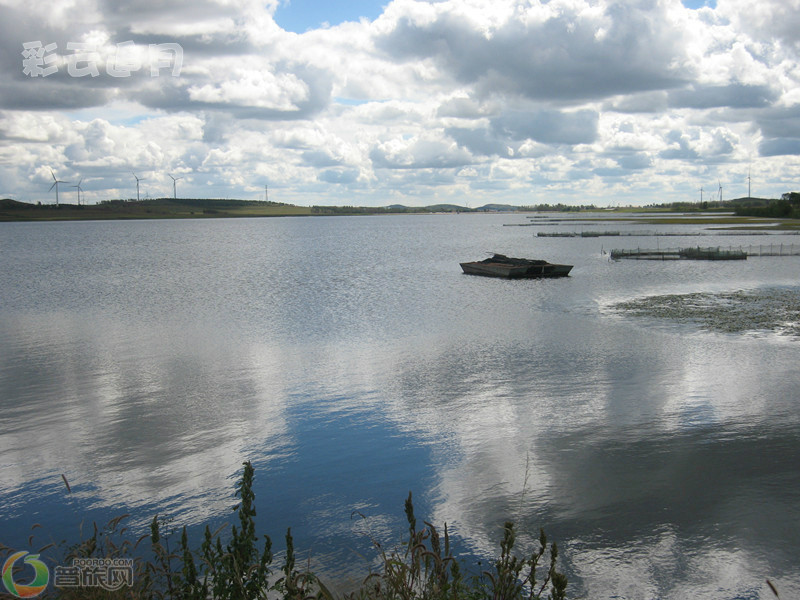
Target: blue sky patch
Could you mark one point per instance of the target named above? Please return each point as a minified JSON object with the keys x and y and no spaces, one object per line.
{"x":695,"y":4}
{"x":301,"y":15}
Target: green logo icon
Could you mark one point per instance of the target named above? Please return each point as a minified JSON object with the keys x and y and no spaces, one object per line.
{"x":35,"y":587}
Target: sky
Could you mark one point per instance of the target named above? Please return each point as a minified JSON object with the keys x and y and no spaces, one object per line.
{"x":400,"y":102}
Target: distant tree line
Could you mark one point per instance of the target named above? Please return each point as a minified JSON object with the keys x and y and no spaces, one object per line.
{"x":387,"y":210}
{"x":697,"y":206}
{"x":705,"y":205}
{"x":560,"y":207}
{"x":788,"y":207}
{"x":209,"y":203}
{"x":357,"y":210}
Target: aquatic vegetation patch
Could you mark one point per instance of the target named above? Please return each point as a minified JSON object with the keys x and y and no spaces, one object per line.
{"x":769,"y":310}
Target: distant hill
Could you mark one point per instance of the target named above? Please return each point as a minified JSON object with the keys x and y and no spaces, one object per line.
{"x":450,"y":208}
{"x":196,"y":208}
{"x":9,"y":204}
{"x":383,"y":210}
{"x":159,"y":208}
{"x":788,"y":207}
{"x":499,"y":208}
{"x":445,"y":208}
{"x":162,"y":208}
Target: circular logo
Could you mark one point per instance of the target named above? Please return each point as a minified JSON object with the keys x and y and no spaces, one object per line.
{"x":35,"y":587}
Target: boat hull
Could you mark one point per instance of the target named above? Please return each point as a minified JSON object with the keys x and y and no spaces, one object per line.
{"x":515,"y":268}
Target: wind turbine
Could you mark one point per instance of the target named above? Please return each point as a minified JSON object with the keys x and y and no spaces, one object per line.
{"x":174,"y":189}
{"x":266,"y":192}
{"x":79,"y":190}
{"x":748,"y":183}
{"x":137,"y":185}
{"x":720,"y":190}
{"x":701,"y":194}
{"x":55,"y":184}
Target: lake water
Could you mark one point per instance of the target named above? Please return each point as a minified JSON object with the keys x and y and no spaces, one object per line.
{"x":352,"y":361}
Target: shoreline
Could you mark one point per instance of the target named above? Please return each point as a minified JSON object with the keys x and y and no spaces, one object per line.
{"x":168,"y":208}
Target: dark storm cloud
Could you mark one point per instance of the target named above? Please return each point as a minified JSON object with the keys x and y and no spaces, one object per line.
{"x":548,"y":126}
{"x":137,"y":24}
{"x":58,"y":90}
{"x":635,"y":161}
{"x":26,"y":88}
{"x":479,"y":141}
{"x":780,"y":147}
{"x":461,"y":108}
{"x":565,"y":57}
{"x":781,"y":130}
{"x":735,"y":95}
{"x":141,"y":20}
{"x":507,"y":131}
{"x":344,"y":176}
{"x":51,"y":95}
{"x":683,"y":151}
{"x":779,"y":122}
{"x":610,"y":172}
{"x":217,"y":128}
{"x":645,"y":102}
{"x":196,"y":45}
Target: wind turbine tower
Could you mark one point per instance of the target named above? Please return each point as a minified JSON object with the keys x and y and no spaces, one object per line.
{"x":748,"y":183}
{"x":55,"y":184}
{"x":701,"y":194}
{"x":174,"y":188}
{"x":78,"y":186}
{"x":720,"y":190}
{"x":266,"y":192}
{"x":137,"y":185}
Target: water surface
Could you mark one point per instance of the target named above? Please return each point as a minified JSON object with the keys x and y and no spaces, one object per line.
{"x":352,"y":361}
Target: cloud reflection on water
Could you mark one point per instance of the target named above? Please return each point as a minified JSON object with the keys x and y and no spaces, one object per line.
{"x":632,"y":434}
{"x":160,"y":427}
{"x":634,"y":446}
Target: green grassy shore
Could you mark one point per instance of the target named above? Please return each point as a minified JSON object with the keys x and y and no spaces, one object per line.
{"x":160,"y":208}
{"x":200,"y":208}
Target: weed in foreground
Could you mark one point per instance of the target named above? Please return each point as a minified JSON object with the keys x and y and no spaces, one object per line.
{"x":241,"y":569}
{"x":427,"y":570}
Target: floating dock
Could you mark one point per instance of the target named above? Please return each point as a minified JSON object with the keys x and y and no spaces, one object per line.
{"x":696,"y":253}
{"x":772,"y":250}
{"x":577,"y":234}
{"x":717,"y":253}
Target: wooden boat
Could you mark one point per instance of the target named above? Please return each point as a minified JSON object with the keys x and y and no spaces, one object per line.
{"x":500,"y":265}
